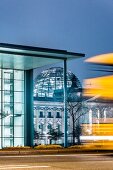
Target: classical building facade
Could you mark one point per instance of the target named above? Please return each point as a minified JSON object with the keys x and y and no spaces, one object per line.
{"x":49,"y":104}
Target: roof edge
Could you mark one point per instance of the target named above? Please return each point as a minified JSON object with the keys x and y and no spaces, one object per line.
{"x":40,"y":49}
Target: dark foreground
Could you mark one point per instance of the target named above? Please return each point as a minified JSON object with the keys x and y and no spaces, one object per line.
{"x":57,"y":162}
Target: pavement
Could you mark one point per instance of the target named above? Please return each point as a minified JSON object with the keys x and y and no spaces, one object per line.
{"x":57,"y":162}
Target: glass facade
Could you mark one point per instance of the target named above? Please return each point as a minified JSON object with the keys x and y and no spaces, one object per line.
{"x":11,"y":108}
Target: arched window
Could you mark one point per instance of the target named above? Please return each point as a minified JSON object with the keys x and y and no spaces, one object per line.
{"x":41,"y":126}
{"x":49,"y":126}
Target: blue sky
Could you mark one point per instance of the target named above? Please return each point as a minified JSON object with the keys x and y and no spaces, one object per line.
{"x":84,"y":26}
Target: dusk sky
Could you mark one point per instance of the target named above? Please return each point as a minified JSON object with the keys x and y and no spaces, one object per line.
{"x":84,"y":26}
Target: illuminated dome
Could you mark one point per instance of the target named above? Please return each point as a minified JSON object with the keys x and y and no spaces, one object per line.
{"x":50,"y":82}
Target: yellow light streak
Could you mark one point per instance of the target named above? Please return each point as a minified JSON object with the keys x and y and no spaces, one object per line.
{"x":101,"y":86}
{"x":101,"y":59}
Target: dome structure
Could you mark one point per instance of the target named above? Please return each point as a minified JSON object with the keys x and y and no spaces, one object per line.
{"x":49,"y":83}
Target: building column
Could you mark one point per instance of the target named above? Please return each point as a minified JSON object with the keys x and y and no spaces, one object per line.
{"x":105,"y":115}
{"x":98,"y":116}
{"x":29,"y":125}
{"x":65,"y":103}
{"x":90,"y":121}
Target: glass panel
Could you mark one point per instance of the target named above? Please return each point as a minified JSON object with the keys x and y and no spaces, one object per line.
{"x":18,"y":85}
{"x":18,"y":131}
{"x":7,"y":74}
{"x":0,"y":83}
{"x":8,"y":121}
{"x":0,"y":123}
{"x":18,"y":120}
{"x":8,"y":84}
{"x":7,"y":142}
{"x":0,"y":73}
{"x":18,"y":109}
{"x":7,"y":96}
{"x":7,"y":131}
{"x":0,"y":99}
{"x":18,"y":141}
{"x":18,"y":75}
{"x":7,"y":109}
{"x":19,"y":97}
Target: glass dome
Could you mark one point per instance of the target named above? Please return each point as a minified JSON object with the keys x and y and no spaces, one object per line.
{"x":51,"y":80}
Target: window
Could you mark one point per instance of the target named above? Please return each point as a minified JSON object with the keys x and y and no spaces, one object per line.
{"x":58,"y":127}
{"x":41,"y":115}
{"x":58,"y":115}
{"x":49,"y":126}
{"x":49,"y":115}
{"x":41,"y":126}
